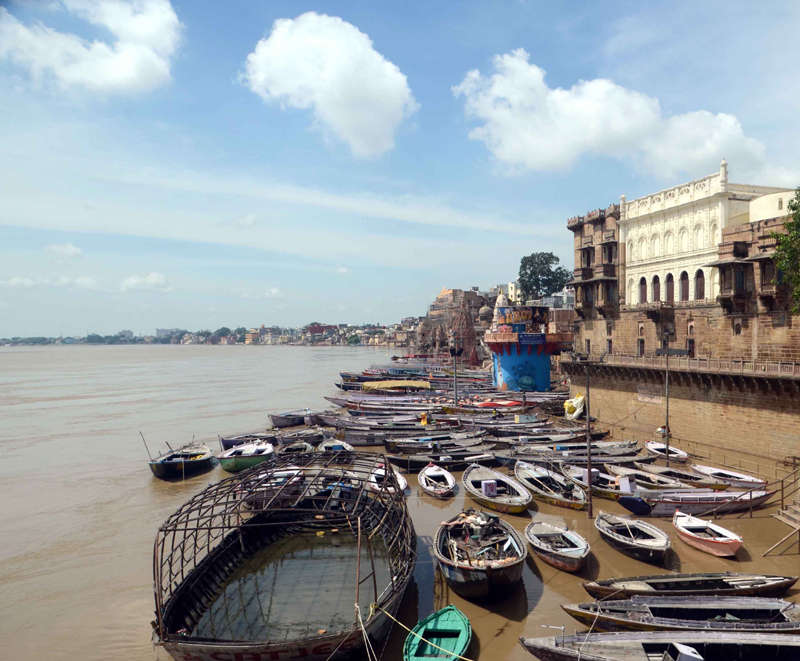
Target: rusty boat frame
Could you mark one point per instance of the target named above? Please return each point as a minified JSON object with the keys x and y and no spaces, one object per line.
{"x":204,"y":541}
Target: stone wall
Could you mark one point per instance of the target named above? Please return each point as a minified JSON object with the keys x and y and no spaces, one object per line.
{"x":745,"y":415}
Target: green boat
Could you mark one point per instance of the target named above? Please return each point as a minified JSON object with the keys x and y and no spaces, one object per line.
{"x":242,"y":457}
{"x":448,"y":628}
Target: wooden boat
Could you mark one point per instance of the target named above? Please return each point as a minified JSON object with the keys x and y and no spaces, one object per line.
{"x":731,"y":477}
{"x":735,"y":614}
{"x":550,"y":487}
{"x":604,"y":485}
{"x":379,"y":480}
{"x":665,"y":646}
{"x":334,"y":445}
{"x":187,"y":460}
{"x":246,"y":456}
{"x":298,"y":447}
{"x":632,"y":537}
{"x":706,"y":536}
{"x":444,"y":635}
{"x":413,"y":463}
{"x":562,"y":548}
{"x":510,"y":496}
{"x":686,"y":477}
{"x":312,"y":419}
{"x":659,"y":450}
{"x":228,"y":442}
{"x":289,"y":419}
{"x":697,"y":501}
{"x":480,"y":555}
{"x":436,"y":481}
{"x":731,"y":584}
{"x":645,"y":480}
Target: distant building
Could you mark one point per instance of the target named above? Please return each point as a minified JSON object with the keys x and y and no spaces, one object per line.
{"x":166,"y":332}
{"x":128,"y":335}
{"x":515,"y":293}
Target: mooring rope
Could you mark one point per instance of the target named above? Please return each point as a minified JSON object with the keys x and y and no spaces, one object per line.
{"x":375,"y":607}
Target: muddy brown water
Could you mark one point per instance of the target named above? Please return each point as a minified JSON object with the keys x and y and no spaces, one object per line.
{"x":80,"y":508}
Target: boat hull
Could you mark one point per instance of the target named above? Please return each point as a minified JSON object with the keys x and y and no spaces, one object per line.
{"x":637,"y":552}
{"x":283,"y":421}
{"x":721,"y":549}
{"x":175,"y":470}
{"x":479,"y":584}
{"x":706,"y":587}
{"x":498,"y":506}
{"x":559,"y":561}
{"x":236,"y":464}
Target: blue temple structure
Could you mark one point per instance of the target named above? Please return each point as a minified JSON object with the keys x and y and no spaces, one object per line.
{"x":521,"y":347}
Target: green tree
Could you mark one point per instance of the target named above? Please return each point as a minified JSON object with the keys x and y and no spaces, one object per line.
{"x":94,"y":338}
{"x":354,"y":339}
{"x":787,"y":251}
{"x":222,"y":332}
{"x":539,"y":275}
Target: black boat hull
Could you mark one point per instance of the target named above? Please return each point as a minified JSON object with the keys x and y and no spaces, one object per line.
{"x":638,"y":552}
{"x":482,"y":584}
{"x":176,"y":470}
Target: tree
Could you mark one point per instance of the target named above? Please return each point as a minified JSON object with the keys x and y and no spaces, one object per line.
{"x":94,"y":338}
{"x":787,"y":251}
{"x":354,"y":339}
{"x":222,"y":332}
{"x":539,"y":275}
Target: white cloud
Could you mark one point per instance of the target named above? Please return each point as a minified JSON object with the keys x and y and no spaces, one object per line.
{"x":154,"y":281}
{"x":248,"y":221}
{"x":66,"y":249}
{"x":273,"y":292}
{"x":146,"y":35}
{"x":325,"y":64}
{"x":17,"y":283}
{"x":526,"y":124}
{"x":342,"y":270}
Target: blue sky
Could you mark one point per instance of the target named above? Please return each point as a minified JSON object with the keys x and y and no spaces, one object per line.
{"x":199,"y":164}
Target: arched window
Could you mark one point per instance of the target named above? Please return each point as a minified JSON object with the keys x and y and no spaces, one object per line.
{"x":698,"y":238}
{"x":684,"y":240}
{"x":670,"y":288}
{"x":669,"y":239}
{"x":699,"y":285}
{"x":684,"y":286}
{"x":642,"y":248}
{"x":655,"y":246}
{"x":737,"y":329}
{"x":630,"y":292}
{"x":642,"y":290}
{"x":631,"y":254}
{"x":715,"y":234}
{"x":656,"y":288}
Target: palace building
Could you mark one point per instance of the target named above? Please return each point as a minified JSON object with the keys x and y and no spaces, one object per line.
{"x":690,"y":268}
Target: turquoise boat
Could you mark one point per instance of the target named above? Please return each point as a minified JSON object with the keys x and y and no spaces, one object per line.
{"x":448,"y":628}
{"x":242,"y":457}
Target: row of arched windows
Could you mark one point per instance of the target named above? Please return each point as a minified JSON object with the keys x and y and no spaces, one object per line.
{"x":670,"y":293}
{"x":640,"y":250}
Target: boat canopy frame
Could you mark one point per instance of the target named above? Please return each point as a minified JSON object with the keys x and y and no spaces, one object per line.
{"x":295,"y":492}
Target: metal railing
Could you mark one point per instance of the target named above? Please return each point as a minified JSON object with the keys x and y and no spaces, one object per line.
{"x":762,"y":368}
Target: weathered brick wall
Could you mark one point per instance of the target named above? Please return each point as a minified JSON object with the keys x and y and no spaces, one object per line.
{"x":745,"y":417}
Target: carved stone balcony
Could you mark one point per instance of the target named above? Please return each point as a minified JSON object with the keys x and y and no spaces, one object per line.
{"x":610,"y":236}
{"x":583,"y":273}
{"x":605,"y":270}
{"x":575,"y":223}
{"x":587,"y":242}
{"x":732,"y":299}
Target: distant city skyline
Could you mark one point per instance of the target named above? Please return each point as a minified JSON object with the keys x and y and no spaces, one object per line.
{"x":169,"y":164}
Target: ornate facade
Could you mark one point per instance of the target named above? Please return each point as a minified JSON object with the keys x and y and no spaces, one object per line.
{"x":670,"y":237}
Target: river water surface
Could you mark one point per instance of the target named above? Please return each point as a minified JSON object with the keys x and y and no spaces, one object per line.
{"x":80,"y":509}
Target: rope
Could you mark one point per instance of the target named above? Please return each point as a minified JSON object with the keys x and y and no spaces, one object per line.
{"x":390,"y":616}
{"x":367,"y":644}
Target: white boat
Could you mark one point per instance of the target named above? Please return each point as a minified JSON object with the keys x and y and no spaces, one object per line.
{"x":378,"y":479}
{"x":436,"y":481}
{"x":697,"y":501}
{"x":706,"y":536}
{"x":334,"y":445}
{"x":731,"y":477}
{"x":558,"y":546}
{"x":658,"y":449}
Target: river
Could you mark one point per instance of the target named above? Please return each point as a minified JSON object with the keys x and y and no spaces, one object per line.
{"x":80,"y":508}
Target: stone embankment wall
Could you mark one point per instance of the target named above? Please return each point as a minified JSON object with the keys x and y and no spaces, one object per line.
{"x":756,"y":417}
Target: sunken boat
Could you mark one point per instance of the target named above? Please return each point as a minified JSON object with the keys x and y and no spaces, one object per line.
{"x":480,"y":555}
{"x":665,"y":646}
{"x":267,"y":564}
{"x":721,"y":584}
{"x":733,"y":614}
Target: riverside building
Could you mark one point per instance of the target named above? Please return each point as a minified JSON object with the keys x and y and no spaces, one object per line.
{"x":690,"y":268}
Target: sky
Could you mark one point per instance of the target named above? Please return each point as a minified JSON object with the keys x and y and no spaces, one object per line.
{"x":200,"y":164}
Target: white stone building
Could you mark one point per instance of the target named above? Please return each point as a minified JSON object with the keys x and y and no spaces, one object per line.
{"x":669,"y":236}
